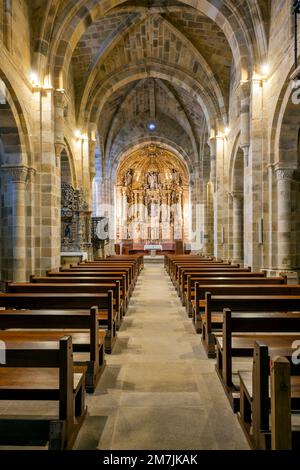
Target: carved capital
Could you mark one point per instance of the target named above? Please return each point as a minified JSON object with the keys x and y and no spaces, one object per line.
{"x":18,"y":173}
{"x":284,"y":174}
{"x":59,"y":147}
{"x":31,"y":174}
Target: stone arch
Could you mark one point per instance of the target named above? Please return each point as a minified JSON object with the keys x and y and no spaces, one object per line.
{"x":13,"y":126}
{"x":285,"y":189}
{"x":67,"y":152}
{"x":227,"y":17}
{"x":154,"y":70}
{"x":15,"y":196}
{"x":162,"y":142}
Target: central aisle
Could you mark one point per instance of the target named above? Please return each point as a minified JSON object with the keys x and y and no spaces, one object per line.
{"x":159,"y":391}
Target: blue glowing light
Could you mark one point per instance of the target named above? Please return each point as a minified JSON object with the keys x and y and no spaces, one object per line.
{"x":152,"y":126}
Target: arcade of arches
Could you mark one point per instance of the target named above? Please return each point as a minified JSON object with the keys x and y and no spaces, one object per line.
{"x":85,"y":84}
{"x":150,"y":122}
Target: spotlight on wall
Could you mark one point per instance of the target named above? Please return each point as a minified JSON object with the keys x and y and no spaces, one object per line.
{"x":34,"y":79}
{"x":78,"y":134}
{"x":265,"y":70}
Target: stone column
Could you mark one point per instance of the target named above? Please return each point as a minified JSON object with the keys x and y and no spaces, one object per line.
{"x":59,"y":106}
{"x":31,"y":225}
{"x":213,"y":158}
{"x":19,"y":176}
{"x":245,"y":89}
{"x":238,"y":223}
{"x":284,"y":178}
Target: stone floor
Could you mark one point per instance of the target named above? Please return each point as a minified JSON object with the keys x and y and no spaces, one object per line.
{"x":159,"y":391}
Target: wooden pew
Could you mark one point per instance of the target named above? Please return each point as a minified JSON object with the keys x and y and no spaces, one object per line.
{"x":174,"y":262}
{"x":262,"y":288}
{"x":254,"y":415}
{"x":82,"y":326}
{"x":283,"y":384}
{"x":56,"y":301}
{"x":94,"y":272}
{"x":194,"y":267}
{"x":199,"y":269}
{"x":133,"y":264}
{"x":87,"y":280}
{"x":65,"y":287}
{"x":170,"y":259}
{"x":126,"y":268}
{"x":241,"y":303}
{"x":39,"y":371}
{"x":240,"y":330}
{"x":228,"y":278}
{"x":90,"y":277}
{"x":190,"y":278}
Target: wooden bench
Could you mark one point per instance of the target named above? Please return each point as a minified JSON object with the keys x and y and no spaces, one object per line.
{"x":65,"y":287}
{"x":94,"y":273}
{"x":192,"y":296}
{"x":283,"y":384}
{"x":190,"y":279}
{"x":56,"y":301}
{"x":198,"y":267}
{"x":240,"y":331}
{"x":83,"y":326}
{"x":180,"y":267}
{"x":179,"y":283}
{"x":39,"y":371}
{"x":170,"y":260}
{"x":133,"y":265}
{"x":108,"y":269}
{"x":87,"y":280}
{"x":240,"y":303}
{"x":93,"y":278}
{"x":255,"y":406}
{"x":262,"y":288}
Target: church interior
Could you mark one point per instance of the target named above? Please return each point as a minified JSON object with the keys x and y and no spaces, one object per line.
{"x":149,"y":225}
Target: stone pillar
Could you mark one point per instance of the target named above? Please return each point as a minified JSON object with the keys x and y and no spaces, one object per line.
{"x":31,"y":225}
{"x":238,"y":223}
{"x":245,"y":89}
{"x":208,"y":221}
{"x":284,"y":178}
{"x":92,"y":149}
{"x":59,"y":106}
{"x":18,"y":175}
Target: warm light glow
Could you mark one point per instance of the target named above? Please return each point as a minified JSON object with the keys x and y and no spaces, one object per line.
{"x":265,"y":69}
{"x":227,"y":131}
{"x":47,"y":81}
{"x":34,"y":79}
{"x":78,"y":134}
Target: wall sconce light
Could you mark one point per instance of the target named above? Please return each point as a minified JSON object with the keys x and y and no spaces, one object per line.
{"x":265,"y":70}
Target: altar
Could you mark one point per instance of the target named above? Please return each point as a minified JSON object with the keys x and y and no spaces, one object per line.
{"x":153,"y":247}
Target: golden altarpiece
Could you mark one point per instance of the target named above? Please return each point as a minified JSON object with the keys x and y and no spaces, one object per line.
{"x":152,"y":197}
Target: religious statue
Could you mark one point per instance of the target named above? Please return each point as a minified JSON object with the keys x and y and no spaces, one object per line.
{"x":67,"y":232}
{"x":152,"y":180}
{"x":176,"y":177}
{"x":128,"y":178}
